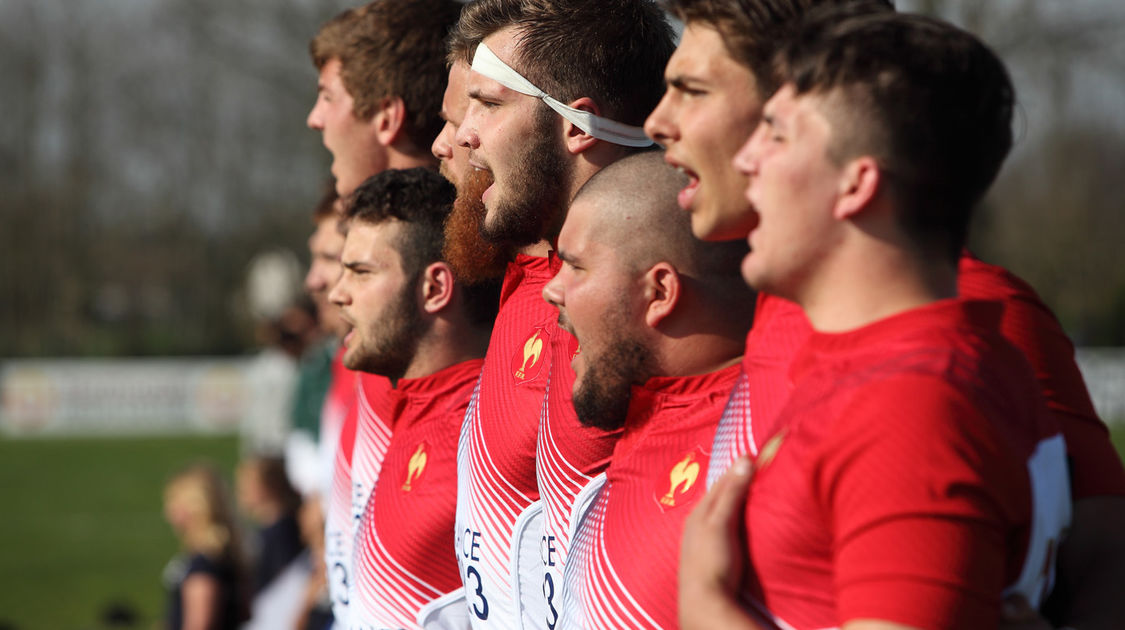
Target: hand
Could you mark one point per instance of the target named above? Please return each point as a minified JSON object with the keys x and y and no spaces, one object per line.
{"x":712,"y":553}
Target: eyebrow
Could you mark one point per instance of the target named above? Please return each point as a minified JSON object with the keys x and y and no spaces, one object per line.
{"x":565,"y":257}
{"x":681,"y":82}
{"x":477,"y":95}
{"x":354,"y":265}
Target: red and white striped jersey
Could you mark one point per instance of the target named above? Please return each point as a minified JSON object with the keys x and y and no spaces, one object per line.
{"x":402,"y":548}
{"x":625,"y":548}
{"x":780,"y":329}
{"x":374,"y":404}
{"x":569,"y":456}
{"x":338,"y":524}
{"x":365,"y":419}
{"x":338,"y":402}
{"x":497,"y":491}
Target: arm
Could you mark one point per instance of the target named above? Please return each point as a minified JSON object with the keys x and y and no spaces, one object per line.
{"x":712,"y":554}
{"x":201,"y":601}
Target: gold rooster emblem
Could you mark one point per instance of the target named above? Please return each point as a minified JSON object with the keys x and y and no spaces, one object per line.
{"x":415,"y":467}
{"x":682,"y":478}
{"x":532,"y":350}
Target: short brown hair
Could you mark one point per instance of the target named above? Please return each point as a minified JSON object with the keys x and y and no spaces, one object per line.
{"x":930,"y":102}
{"x":613,"y":51}
{"x":392,"y":48}
{"x":752,"y":30}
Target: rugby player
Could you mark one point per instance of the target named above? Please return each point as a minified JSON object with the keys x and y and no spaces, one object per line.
{"x":414,"y":324}
{"x":557,"y":90}
{"x":910,"y":478}
{"x":379,"y":89}
{"x":717,"y":79}
{"x":660,"y":318}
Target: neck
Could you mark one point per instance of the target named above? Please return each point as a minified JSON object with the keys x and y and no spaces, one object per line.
{"x":404,"y":157}
{"x":448,"y":343}
{"x":703,"y":337}
{"x":867,"y":284}
{"x":540,"y":249}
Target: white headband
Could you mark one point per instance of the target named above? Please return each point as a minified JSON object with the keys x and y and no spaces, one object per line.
{"x":487,"y":63}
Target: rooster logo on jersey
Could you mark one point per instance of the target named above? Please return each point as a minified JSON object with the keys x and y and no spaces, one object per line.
{"x":527,"y":359}
{"x":415,"y":467}
{"x":682,"y":479}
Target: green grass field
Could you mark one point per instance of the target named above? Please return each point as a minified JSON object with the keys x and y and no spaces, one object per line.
{"x":82,"y":526}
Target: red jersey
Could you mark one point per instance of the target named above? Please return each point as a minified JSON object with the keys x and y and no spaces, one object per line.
{"x":569,"y":456}
{"x":402,"y":555}
{"x":624,"y":558}
{"x":780,"y":328}
{"x":498,"y":495}
{"x":1028,"y":323}
{"x":911,"y":478}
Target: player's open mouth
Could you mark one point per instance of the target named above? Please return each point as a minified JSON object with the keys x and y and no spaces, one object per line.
{"x":476,"y":167}
{"x":686,"y":197}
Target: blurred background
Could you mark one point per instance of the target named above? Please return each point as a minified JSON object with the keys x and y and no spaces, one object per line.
{"x":150,"y":150}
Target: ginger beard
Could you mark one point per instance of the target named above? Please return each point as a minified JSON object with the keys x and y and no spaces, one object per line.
{"x":472,"y":258}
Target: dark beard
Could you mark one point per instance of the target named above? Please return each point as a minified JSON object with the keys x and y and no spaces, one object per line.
{"x":603,"y":400}
{"x":393,"y":349}
{"x":472,"y":258}
{"x":539,"y":183}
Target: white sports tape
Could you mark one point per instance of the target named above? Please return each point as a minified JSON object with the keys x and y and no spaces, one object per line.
{"x":487,"y":63}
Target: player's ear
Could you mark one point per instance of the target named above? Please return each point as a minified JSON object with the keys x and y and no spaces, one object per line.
{"x":662,"y":291}
{"x":437,"y":287}
{"x":389,"y":120}
{"x":860,"y":180}
{"x":577,"y":140}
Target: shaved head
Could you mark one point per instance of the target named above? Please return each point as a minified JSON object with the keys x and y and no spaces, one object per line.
{"x":634,"y":205}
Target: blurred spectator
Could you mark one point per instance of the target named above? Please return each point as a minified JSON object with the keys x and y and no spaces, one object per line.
{"x":284,"y":329}
{"x":266,"y":496}
{"x":316,"y":613}
{"x":207,"y":583}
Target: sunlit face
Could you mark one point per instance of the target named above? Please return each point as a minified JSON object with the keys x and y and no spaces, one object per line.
{"x":454,"y":159}
{"x":518,"y":140}
{"x":378,"y":300}
{"x":599,"y":298}
{"x":325,"y":246}
{"x":709,"y":109}
{"x":356,"y":151}
{"x":794,"y":186}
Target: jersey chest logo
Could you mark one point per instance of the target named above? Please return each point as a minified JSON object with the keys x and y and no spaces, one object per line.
{"x":415,"y":467}
{"x":682,"y":482}
{"x":528,"y":360}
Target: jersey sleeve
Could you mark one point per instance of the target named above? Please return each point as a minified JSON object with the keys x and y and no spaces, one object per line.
{"x":920,"y":499}
{"x":1096,"y":468}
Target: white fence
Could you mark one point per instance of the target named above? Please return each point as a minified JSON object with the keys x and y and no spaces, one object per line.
{"x":1104,"y":370}
{"x":55,"y":397}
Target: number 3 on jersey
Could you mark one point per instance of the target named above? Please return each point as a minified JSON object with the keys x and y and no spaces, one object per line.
{"x":480,"y":609}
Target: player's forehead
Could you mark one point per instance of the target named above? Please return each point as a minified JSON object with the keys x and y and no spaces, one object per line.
{"x":586,"y":233}
{"x":701,"y":53}
{"x":456,"y":97}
